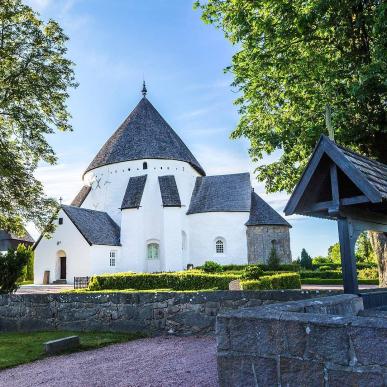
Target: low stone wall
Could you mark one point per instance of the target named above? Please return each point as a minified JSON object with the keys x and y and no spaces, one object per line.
{"x":180,"y":313}
{"x":320,"y":342}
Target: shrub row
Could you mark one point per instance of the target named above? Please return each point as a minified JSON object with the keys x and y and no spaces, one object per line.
{"x":189,"y":281}
{"x":232,"y":267}
{"x":337,"y":274}
{"x":321,"y":274}
{"x":276,"y":281}
{"x":174,"y":281}
{"x":337,"y":266}
{"x":333,"y":281}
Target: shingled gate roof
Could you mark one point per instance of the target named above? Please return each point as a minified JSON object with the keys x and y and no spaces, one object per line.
{"x":262,"y":214}
{"x":360,"y":183}
{"x":222,"y":193}
{"x":374,"y":171}
{"x":144,"y":135}
{"x":134,"y":191}
{"x":97,"y":227}
{"x":169,"y":192}
{"x":81,"y":196}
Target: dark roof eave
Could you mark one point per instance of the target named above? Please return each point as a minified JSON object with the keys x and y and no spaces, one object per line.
{"x":205,"y":212}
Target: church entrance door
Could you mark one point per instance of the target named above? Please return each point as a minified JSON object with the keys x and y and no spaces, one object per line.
{"x":62,"y":267}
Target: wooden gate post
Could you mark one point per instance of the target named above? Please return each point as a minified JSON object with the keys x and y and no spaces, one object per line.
{"x":347,"y":240}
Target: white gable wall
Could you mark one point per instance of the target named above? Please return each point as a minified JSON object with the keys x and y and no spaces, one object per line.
{"x":205,"y":228}
{"x":68,"y":239}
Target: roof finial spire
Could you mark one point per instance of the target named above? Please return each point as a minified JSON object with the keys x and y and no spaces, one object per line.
{"x":144,"y":90}
{"x":328,"y":121}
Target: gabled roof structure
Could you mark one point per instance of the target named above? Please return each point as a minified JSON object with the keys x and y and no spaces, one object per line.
{"x":133,"y":193}
{"x":81,"y":196}
{"x":262,"y":214}
{"x":11,"y":240}
{"x":144,"y":135}
{"x":169,"y":192}
{"x":335,"y":179}
{"x":222,"y":193}
{"x":348,"y":187}
{"x":97,"y":227}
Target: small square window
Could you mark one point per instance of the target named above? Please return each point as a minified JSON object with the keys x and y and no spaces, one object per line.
{"x":112,"y":258}
{"x":60,"y":220}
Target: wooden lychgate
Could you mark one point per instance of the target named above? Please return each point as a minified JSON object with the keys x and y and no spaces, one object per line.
{"x":341,"y":185}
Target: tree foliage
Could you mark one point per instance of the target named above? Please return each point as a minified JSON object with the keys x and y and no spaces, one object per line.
{"x":293,"y":58}
{"x":13,"y":267}
{"x":273,"y":262}
{"x":306,"y":260}
{"x":35,"y":76}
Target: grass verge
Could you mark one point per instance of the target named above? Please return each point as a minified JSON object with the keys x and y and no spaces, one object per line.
{"x":19,"y":347}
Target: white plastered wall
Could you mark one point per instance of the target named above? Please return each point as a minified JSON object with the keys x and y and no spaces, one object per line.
{"x":68,"y":239}
{"x":205,"y":228}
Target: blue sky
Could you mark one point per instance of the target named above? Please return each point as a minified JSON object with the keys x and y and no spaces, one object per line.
{"x":114,"y":45}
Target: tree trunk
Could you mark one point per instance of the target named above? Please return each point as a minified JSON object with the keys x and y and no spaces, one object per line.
{"x":379,"y":244}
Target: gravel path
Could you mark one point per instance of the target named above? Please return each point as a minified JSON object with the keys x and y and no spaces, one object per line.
{"x":160,"y":361}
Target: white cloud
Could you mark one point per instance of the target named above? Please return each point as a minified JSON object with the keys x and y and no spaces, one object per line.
{"x":62,"y":180}
{"x":38,"y":5}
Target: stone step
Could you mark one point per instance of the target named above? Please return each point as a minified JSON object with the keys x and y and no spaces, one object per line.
{"x":59,"y":345}
{"x":60,"y":282}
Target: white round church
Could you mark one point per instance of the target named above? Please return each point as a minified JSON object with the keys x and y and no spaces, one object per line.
{"x":148,"y":206}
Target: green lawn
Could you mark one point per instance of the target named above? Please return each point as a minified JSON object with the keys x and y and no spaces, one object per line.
{"x":29,"y":282}
{"x":18,"y":348}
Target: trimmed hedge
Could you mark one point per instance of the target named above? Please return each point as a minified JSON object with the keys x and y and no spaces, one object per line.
{"x":336,"y":274}
{"x":277,"y":281}
{"x":333,"y":281}
{"x":337,"y":266}
{"x":187,"y":281}
{"x":174,"y":281}
{"x":285,"y":267}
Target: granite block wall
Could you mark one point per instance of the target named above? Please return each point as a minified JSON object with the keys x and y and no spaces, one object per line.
{"x":158,"y":313}
{"x":321,"y":342}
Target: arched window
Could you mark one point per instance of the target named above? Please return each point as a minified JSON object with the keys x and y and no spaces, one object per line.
{"x":144,"y":165}
{"x":153,"y":251}
{"x":219,"y":246}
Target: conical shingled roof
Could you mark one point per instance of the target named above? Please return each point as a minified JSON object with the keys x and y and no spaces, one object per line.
{"x":144,"y":135}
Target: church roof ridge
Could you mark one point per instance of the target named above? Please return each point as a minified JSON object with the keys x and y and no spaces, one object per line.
{"x":144,"y":134}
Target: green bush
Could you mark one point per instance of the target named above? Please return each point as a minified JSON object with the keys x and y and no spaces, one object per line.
{"x":333,"y":274}
{"x":212,"y":267}
{"x":277,"y":281}
{"x":273,"y":262}
{"x":324,"y":268}
{"x":333,"y":281}
{"x":13,"y":268}
{"x":283,"y":267}
{"x":175,"y":281}
{"x":30,"y":268}
{"x":368,"y":274}
{"x":252,"y":272}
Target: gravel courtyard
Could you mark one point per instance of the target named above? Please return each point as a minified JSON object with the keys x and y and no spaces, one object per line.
{"x":160,"y":361}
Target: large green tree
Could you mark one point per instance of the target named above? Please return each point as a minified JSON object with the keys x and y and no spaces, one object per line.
{"x":35,"y":76}
{"x":292,"y":59}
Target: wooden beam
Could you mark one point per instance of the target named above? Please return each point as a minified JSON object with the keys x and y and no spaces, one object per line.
{"x":330,"y":205}
{"x":296,"y":196}
{"x":354,"y":200}
{"x":348,"y":258}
